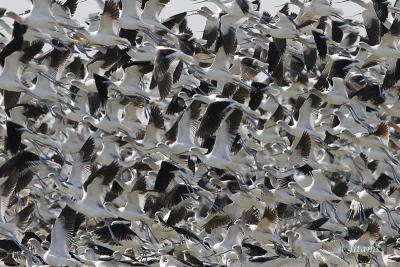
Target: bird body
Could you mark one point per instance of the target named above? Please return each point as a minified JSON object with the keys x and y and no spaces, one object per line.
{"x":134,"y":136}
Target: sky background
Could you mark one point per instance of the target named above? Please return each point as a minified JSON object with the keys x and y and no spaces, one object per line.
{"x":175,"y":6}
{"x":196,"y":23}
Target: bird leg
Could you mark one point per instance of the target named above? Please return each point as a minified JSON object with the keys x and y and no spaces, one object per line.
{"x":392,"y":159}
{"x":355,"y":258}
{"x":55,"y":150}
{"x":334,"y":210}
{"x":392,"y":222}
{"x":108,"y":224}
{"x":22,"y":247}
{"x":182,"y":239}
{"x":146,"y":108}
{"x":396,"y":177}
{"x":251,"y":152}
{"x":375,"y":259}
{"x":41,"y":182}
{"x":157,"y":39}
{"x":150,"y":234}
{"x":188,"y":187}
{"x":343,"y":251}
{"x":82,"y":50}
{"x":39,"y":151}
{"x":323,"y":210}
{"x":240,"y":179}
{"x":52,"y":112}
{"x":354,"y":114}
{"x":52,"y":79}
{"x":29,"y":92}
{"x":70,"y":106}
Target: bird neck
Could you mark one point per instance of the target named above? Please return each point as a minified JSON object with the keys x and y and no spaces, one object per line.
{"x":11,"y":66}
{"x":299,"y":188}
{"x":111,"y":208}
{"x":82,"y":35}
{"x":70,"y":203}
{"x":93,"y":121}
{"x":285,"y":126}
{"x":233,"y":235}
{"x":38,"y":248}
{"x":16,"y":17}
{"x":219,"y":4}
{"x":199,"y":155}
{"x":363,"y":3}
{"x":291,"y":239}
{"x":131,"y":113}
{"x":318,"y":93}
{"x":297,"y":3}
{"x":90,"y":255}
{"x":202,"y":98}
{"x":133,"y":200}
{"x":78,"y":83}
{"x":129,"y":9}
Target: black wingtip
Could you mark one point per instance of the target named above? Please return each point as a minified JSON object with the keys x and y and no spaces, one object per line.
{"x":102,"y":84}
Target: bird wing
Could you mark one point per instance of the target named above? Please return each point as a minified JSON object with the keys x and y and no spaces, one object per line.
{"x":210,"y":33}
{"x":23,"y":217}
{"x":6,"y":189}
{"x":94,"y":187}
{"x":81,"y":166}
{"x":62,"y":232}
{"x":221,"y":61}
{"x":40,"y":7}
{"x":164,"y":176}
{"x":108,"y":18}
{"x":305,"y":114}
{"x":212,"y":118}
{"x":72,"y":5}
{"x":226,"y":134}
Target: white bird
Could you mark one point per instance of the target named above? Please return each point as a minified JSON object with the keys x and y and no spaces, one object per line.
{"x":61,"y":238}
{"x":106,"y":34}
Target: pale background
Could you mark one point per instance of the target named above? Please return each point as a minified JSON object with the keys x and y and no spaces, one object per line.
{"x":196,"y":23}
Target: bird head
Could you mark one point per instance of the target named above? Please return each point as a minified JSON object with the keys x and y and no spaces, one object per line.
{"x":85,"y":239}
{"x":352,"y":195}
{"x":45,"y":244}
{"x":117,"y":255}
{"x":290,"y":233}
{"x":195,"y":151}
{"x":164,"y":146}
{"x":65,"y":198}
{"x":261,"y":186}
{"x":364,"y":46}
{"x":33,"y":242}
{"x":12,"y":15}
{"x":237,"y":248}
{"x":130,"y":252}
{"x":88,"y":119}
{"x":109,"y":206}
{"x":292,"y":185}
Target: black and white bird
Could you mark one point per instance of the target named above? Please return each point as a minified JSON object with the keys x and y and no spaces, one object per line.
{"x":134,"y":134}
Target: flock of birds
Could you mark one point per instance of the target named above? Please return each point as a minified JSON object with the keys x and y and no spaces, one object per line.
{"x":265,"y":140}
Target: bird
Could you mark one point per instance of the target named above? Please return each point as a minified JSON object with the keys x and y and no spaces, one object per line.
{"x":220,"y":133}
{"x":105,"y":35}
{"x":61,"y":238}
